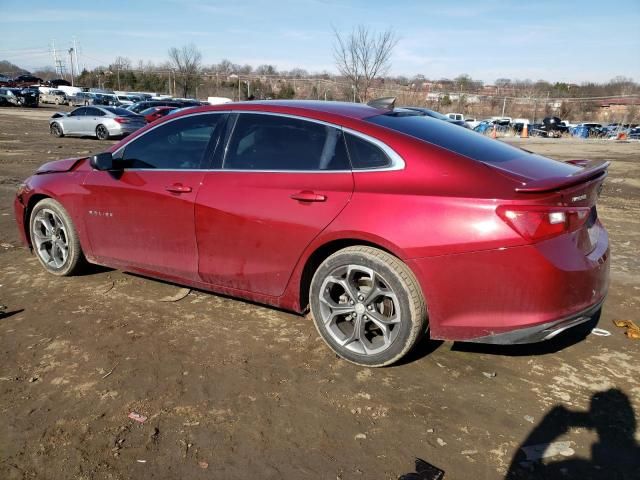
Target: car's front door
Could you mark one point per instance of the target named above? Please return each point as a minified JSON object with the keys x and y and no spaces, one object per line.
{"x":281,"y":181}
{"x":142,"y":216}
{"x":73,"y":122}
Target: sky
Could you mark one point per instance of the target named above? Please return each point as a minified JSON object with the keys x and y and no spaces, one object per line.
{"x":558,"y":40}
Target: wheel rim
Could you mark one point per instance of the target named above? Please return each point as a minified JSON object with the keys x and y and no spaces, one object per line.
{"x":55,"y":129}
{"x":51,"y":239}
{"x":359,"y":310}
{"x":101,"y":132}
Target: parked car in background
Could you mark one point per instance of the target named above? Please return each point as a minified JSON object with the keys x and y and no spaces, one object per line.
{"x":82,"y":98}
{"x":438,"y":115}
{"x":26,"y":80}
{"x":57,"y":82}
{"x":486,"y":126}
{"x":8,"y":98}
{"x":96,"y":121}
{"x":589,"y":130}
{"x":517,"y":125}
{"x":153,"y":113}
{"x":124,"y":100}
{"x":108,"y":99}
{"x":471,"y":122}
{"x":54,"y":96}
{"x":456,"y":116}
{"x":551,"y":127}
{"x":140,"y":106}
{"x":497,"y":244}
{"x":26,"y":96}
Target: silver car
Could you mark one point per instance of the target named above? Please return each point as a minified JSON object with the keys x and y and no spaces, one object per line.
{"x":54,"y":96}
{"x":95,"y":121}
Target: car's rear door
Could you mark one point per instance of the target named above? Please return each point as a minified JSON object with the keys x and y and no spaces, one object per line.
{"x":143,"y":215}
{"x":90,"y":121}
{"x":281,"y":182}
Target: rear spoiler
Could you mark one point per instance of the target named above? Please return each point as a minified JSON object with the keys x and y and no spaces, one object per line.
{"x":590,"y":171}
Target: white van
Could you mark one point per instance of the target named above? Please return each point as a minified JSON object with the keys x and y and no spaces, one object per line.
{"x":456,"y":116}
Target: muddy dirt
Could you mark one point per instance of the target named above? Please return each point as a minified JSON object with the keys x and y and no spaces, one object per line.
{"x":235,"y":390}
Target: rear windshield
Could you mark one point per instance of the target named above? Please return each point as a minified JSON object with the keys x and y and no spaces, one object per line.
{"x":455,"y":138}
{"x":120,"y":111}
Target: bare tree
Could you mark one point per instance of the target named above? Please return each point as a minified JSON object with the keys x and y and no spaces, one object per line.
{"x":362,"y":56}
{"x":186,"y":62}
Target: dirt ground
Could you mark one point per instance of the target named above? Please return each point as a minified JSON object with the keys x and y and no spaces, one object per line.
{"x":234,"y":390}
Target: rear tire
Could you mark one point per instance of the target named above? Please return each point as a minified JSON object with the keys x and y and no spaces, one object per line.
{"x":367,"y":306}
{"x":102,"y":133}
{"x":54,"y":239}
{"x":56,"y":130}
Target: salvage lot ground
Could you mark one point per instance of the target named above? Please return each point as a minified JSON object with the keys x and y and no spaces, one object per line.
{"x":236,"y":390}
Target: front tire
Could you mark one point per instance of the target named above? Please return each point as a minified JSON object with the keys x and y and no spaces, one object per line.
{"x":102,"y":133}
{"x":367,"y":306}
{"x":56,"y":130}
{"x":54,"y":238}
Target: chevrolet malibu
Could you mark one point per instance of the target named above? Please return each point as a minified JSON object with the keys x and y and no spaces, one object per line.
{"x":388,"y":225}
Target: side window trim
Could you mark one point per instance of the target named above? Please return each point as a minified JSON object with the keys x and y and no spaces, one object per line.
{"x":396,"y":161}
{"x":119,"y":153}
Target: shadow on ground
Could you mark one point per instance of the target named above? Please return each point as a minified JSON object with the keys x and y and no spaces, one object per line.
{"x":614,"y":456}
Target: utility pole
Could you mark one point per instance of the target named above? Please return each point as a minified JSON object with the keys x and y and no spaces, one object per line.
{"x":75,"y":52}
{"x":118,"y":72}
{"x":248,"y":89}
{"x":71,"y":63}
{"x":174,"y":83}
{"x":504,"y":105}
{"x":238,"y":87}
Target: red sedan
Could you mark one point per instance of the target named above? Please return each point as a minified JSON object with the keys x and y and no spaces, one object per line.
{"x":151,"y":114}
{"x":388,"y":224}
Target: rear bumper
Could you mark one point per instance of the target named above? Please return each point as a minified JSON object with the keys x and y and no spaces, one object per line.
{"x":521,"y":294}
{"x":542,"y":332}
{"x":123,"y":129}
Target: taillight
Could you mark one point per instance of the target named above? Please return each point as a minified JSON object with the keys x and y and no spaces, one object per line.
{"x":121,"y":120}
{"x":538,"y":223}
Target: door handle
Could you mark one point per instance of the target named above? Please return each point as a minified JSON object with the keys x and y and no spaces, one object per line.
{"x":177,"y":188}
{"x":307,"y":196}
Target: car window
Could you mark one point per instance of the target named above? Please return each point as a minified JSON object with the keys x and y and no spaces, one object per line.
{"x":181,"y":144}
{"x":364,"y":154}
{"x":458,"y":140}
{"x":94,"y":112}
{"x":273,"y":142}
{"x":78,"y":112}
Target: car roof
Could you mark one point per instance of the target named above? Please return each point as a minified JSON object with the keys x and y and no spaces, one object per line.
{"x":355,"y":111}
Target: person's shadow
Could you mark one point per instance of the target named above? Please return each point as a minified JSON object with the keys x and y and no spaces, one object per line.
{"x":615,"y":455}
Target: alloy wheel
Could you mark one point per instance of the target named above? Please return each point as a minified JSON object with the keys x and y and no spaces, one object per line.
{"x":51,"y":238}
{"x":359,"y":309}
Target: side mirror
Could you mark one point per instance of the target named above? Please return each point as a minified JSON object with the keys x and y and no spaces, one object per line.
{"x":102,"y":161}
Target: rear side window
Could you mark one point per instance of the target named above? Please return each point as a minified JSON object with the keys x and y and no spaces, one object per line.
{"x":273,"y":142}
{"x":452,"y":137}
{"x":364,"y":154}
{"x":181,"y":144}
